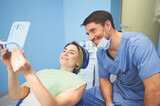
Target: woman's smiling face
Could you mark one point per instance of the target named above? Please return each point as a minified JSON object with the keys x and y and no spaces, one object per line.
{"x":69,"y":56}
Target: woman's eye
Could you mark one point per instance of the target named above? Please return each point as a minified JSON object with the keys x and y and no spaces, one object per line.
{"x":71,"y":53}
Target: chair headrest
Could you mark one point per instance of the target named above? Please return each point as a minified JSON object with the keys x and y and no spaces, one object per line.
{"x":87,"y":59}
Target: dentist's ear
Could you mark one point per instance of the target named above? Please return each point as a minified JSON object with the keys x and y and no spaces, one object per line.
{"x":108,"y":25}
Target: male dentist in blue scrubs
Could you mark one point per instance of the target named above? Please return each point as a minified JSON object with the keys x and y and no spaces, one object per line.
{"x":131,"y":56}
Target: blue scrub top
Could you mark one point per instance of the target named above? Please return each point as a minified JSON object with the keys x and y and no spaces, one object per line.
{"x":136,"y":60}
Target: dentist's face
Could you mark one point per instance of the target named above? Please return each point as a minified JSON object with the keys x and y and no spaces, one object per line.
{"x":69,"y":56}
{"x":95,"y":32}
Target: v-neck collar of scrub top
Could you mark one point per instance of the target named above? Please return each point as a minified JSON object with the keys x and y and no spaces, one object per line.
{"x":116,"y":60}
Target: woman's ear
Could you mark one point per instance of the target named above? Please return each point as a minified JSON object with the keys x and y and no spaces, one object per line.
{"x":77,"y":65}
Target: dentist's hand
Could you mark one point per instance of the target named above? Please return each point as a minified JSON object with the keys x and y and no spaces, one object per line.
{"x":20,"y":63}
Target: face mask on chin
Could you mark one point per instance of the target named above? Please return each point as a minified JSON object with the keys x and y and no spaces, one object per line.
{"x":104,"y":43}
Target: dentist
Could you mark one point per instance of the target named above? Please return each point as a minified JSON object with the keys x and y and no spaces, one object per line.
{"x":131,"y":56}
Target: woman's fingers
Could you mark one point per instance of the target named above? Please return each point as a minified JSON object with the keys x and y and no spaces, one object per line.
{"x":19,"y":54}
{"x":18,"y":61}
{"x":5,"y":54}
{"x":1,"y":46}
{"x":23,"y":54}
{"x":15,"y":60}
{"x":4,"y":51}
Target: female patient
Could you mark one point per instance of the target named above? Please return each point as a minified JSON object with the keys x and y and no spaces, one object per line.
{"x":48,"y":87}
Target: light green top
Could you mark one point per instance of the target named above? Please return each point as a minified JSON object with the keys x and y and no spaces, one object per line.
{"x":57,"y":81}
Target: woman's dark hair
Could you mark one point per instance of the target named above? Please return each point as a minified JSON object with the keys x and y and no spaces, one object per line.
{"x":81,"y":56}
{"x":99,"y":17}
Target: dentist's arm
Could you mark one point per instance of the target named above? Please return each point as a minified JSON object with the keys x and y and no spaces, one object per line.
{"x":152,"y":90}
{"x":15,"y":91}
{"x":106,"y":89}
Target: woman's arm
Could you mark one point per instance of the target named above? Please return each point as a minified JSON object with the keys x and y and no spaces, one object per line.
{"x":42,"y":94}
{"x":66,"y":98}
{"x":14,"y":89}
{"x":70,"y":97}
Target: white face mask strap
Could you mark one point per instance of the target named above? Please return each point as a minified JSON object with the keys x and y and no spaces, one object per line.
{"x":109,"y":33}
{"x":105,"y":32}
{"x":104,"y":29}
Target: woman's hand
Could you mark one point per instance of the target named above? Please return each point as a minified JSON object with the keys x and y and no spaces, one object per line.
{"x":6,"y":57}
{"x":20,"y":63}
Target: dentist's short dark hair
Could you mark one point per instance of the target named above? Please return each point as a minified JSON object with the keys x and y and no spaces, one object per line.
{"x":99,"y":17}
